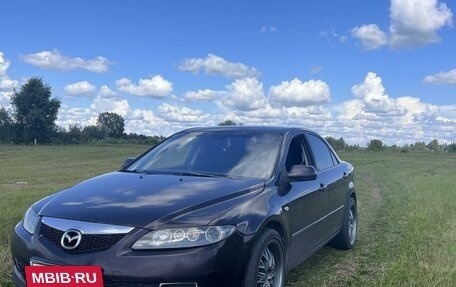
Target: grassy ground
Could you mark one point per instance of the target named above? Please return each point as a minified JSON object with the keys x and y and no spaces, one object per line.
{"x":407,"y":209}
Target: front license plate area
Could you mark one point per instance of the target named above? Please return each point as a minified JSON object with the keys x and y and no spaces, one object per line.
{"x":41,"y":275}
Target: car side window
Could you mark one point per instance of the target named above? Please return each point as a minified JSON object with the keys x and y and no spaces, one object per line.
{"x":296,"y":153}
{"x":334,"y":158}
{"x":322,"y":155}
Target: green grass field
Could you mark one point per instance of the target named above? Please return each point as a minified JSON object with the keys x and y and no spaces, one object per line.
{"x":406,"y":202}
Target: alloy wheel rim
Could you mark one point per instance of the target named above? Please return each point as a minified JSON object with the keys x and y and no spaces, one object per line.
{"x":351,"y":226}
{"x":270,"y":267}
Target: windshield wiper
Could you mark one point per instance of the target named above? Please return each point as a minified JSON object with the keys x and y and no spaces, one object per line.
{"x":182,"y":173}
{"x":192,"y":173}
{"x":139,"y":171}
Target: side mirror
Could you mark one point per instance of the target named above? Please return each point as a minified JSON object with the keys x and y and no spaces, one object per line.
{"x":127,"y":162}
{"x":302,"y":173}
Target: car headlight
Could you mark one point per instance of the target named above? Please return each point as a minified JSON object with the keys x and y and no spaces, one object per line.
{"x":30,"y":220}
{"x":183,"y":237}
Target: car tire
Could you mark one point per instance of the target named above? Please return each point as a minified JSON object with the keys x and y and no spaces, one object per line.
{"x":347,"y":236}
{"x":266,"y":266}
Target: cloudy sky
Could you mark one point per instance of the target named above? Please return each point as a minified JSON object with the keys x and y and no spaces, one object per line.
{"x":357,"y":69}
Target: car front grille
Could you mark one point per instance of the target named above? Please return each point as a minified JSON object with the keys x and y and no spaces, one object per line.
{"x":89,"y":242}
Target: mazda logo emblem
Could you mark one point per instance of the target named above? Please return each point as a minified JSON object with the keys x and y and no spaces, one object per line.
{"x":71,"y":239}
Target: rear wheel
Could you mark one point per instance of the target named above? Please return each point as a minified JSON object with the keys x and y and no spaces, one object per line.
{"x":266,"y":267}
{"x":347,"y":236}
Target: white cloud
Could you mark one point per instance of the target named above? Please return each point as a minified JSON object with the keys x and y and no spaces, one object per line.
{"x":373,"y":95}
{"x":101,"y":105}
{"x":146,"y":122}
{"x":447,"y":112}
{"x":416,"y":22}
{"x":265,"y":29}
{"x":155,"y":86}
{"x":415,"y":109}
{"x":205,"y":95}
{"x":412,"y":23}
{"x":353,"y":109}
{"x":370,"y":36}
{"x":215,"y":65}
{"x":343,"y":38}
{"x":310,"y":117}
{"x":332,"y":34}
{"x":70,"y":116}
{"x":245,"y":95}
{"x":315,"y":69}
{"x":136,"y":121}
{"x":373,"y":114}
{"x":106,"y":92}
{"x":266,"y":113}
{"x":79,"y":88}
{"x":313,"y":117}
{"x":448,"y":77}
{"x":104,"y":101}
{"x":180,"y":114}
{"x":54,"y":60}
{"x":6,"y":83}
{"x":298,"y":93}
{"x":107,"y":101}
{"x":5,"y":99}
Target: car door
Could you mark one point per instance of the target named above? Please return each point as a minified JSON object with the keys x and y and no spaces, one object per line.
{"x":306,"y":206}
{"x":333,"y":181}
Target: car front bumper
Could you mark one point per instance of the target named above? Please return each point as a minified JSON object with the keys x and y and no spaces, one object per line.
{"x":220,"y":264}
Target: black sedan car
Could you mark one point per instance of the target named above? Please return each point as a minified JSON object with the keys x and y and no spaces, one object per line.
{"x":222,"y":206}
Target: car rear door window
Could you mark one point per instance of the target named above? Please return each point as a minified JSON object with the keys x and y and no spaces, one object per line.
{"x":322,"y":155}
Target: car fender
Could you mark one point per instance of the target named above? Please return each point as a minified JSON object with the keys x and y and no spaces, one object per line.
{"x":261,"y":211}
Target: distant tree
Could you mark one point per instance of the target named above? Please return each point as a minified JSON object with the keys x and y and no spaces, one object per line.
{"x":90,"y":133}
{"x":405,"y":148}
{"x":34,"y":111}
{"x":114,"y":123}
{"x":352,"y":147}
{"x":433,"y":145}
{"x":452,"y":147}
{"x":75,"y":134}
{"x":375,"y":145}
{"x":6,"y":126}
{"x":337,"y":144}
{"x":419,"y":146}
{"x":228,"y":123}
{"x":136,"y":138}
{"x":394,"y":148}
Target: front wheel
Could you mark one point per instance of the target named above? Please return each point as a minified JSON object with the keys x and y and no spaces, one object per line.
{"x":266,"y":267}
{"x":347,"y":235}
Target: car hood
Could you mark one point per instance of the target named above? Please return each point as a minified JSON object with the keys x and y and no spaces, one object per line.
{"x":150,"y":200}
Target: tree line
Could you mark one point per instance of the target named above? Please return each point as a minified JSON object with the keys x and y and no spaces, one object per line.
{"x":34,"y":112}
{"x":377,"y":145}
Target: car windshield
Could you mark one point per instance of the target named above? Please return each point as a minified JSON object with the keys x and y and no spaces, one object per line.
{"x":221,"y":153}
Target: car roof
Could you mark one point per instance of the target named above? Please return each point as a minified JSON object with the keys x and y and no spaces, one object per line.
{"x":264,"y":129}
